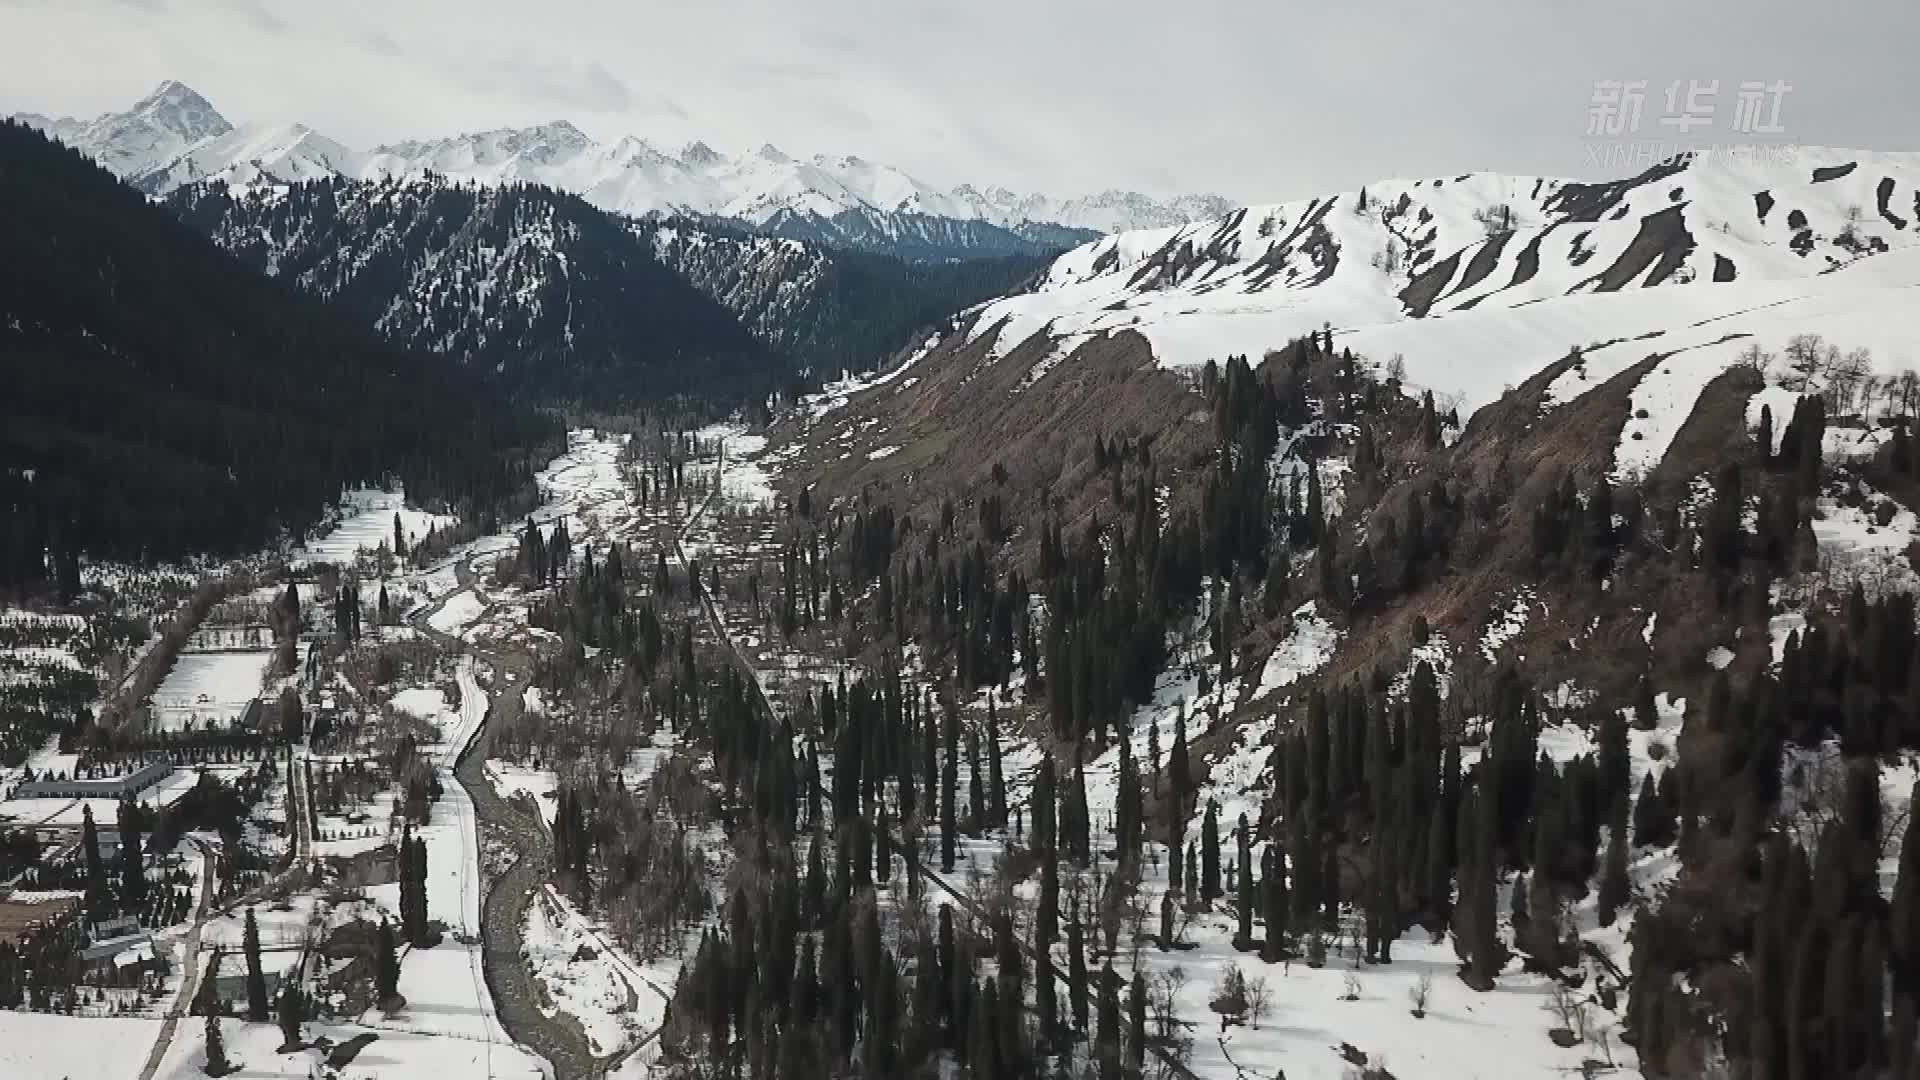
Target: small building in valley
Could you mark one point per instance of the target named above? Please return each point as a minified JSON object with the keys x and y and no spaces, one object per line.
{"x":121,"y":786}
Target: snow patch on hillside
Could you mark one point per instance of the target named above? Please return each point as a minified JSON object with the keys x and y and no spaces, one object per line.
{"x":1303,"y":652}
{"x":1506,"y":625}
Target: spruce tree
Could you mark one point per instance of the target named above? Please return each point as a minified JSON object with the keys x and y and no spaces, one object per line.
{"x":1614,"y":886}
{"x":949,"y":779}
{"x":1077,"y":966}
{"x":1107,"y":1034}
{"x":256,"y":978}
{"x":1043,"y":806}
{"x":1045,"y":989}
{"x":983,"y":1044}
{"x":133,"y":874}
{"x":1243,"y":940}
{"x":1078,"y":840}
{"x":1179,"y":771}
{"x":976,"y":786}
{"x":996,"y":780}
{"x":90,"y":851}
{"x":1273,"y":886}
{"x":1210,"y":854}
{"x":1437,"y":882}
{"x":386,"y":972}
{"x":217,"y":1064}
{"x":1137,"y":1025}
{"x":1615,"y":764}
{"x":1652,"y":816}
{"x":1127,"y":809}
{"x":292,"y":1014}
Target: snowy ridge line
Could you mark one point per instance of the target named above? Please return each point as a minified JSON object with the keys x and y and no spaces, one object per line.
{"x":1475,"y":283}
{"x":174,"y":137}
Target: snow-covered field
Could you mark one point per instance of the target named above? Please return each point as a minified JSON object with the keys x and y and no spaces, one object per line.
{"x":540,"y":785}
{"x":395,"y":1054}
{"x":461,"y":609}
{"x":209,"y":689}
{"x":425,"y":702}
{"x":366,"y":522}
{"x":586,"y":980}
{"x":49,"y":1046}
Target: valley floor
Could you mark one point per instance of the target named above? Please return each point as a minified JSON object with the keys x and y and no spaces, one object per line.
{"x":527,"y":985}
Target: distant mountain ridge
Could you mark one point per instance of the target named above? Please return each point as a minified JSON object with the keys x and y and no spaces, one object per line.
{"x":1480,"y":280}
{"x":162,"y":399}
{"x":558,"y":300}
{"x":174,"y":136}
{"x":544,"y":294}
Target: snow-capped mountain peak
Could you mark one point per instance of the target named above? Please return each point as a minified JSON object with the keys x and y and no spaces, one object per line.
{"x":698,"y":155}
{"x":159,"y":128}
{"x":177,"y":107}
{"x":174,"y":136}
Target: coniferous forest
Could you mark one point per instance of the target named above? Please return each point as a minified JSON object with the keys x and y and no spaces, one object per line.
{"x":531,"y":289}
{"x":163,"y":399}
{"x":1018,"y":714}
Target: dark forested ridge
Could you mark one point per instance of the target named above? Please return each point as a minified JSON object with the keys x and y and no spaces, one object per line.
{"x":563,"y":302}
{"x":161,"y":398}
{"x":552,"y":298}
{"x":919,"y":238}
{"x":831,"y":310}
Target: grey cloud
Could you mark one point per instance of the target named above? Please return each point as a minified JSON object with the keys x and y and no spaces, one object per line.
{"x":376,"y":42}
{"x":568,"y":85}
{"x":1261,"y":101}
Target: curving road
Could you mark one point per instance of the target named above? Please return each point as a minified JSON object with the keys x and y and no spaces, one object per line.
{"x":189,"y":965}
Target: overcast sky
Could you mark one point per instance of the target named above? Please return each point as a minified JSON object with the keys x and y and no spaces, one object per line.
{"x":1261,"y":101}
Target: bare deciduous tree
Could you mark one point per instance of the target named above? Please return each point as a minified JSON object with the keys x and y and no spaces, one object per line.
{"x":1421,"y":993}
{"x":1259,"y":1000}
{"x":1163,"y":997}
{"x":1497,"y":220}
{"x":1756,"y":359}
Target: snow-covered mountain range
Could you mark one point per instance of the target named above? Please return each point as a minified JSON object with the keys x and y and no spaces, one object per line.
{"x":1478,"y":282}
{"x":540,"y":288}
{"x":174,"y":136}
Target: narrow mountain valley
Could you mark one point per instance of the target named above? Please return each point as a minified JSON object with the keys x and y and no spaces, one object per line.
{"x":516,"y":606}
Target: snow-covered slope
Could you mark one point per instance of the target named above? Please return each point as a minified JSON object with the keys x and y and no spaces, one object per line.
{"x":252,"y":155}
{"x":766,"y":280}
{"x":536,"y":287}
{"x":174,"y":137}
{"x":531,"y":283}
{"x":1107,"y":212}
{"x":1480,"y":281}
